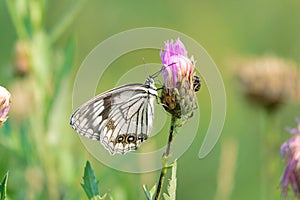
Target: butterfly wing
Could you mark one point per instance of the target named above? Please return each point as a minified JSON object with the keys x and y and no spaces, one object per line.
{"x":121,"y":119}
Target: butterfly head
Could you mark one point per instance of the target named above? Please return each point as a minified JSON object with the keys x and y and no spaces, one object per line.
{"x":150,"y":82}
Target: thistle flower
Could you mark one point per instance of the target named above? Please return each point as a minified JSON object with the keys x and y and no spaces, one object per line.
{"x":269,"y":81}
{"x":291,"y":150}
{"x":178,"y":95}
{"x":4,"y":104}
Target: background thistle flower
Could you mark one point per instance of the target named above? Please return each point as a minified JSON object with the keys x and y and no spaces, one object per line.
{"x":4,"y":104}
{"x":178,"y":95}
{"x":291,"y":150}
{"x":269,"y":81}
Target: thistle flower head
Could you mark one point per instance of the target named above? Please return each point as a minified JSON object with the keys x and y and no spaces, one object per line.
{"x":178,"y":95}
{"x":269,"y":81}
{"x":4,"y":104}
{"x":176,"y":64}
{"x":291,"y":150}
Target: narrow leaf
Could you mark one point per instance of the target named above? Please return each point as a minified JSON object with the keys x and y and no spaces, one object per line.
{"x":98,"y":197}
{"x":90,"y":184}
{"x":152,"y":191}
{"x":69,"y":56}
{"x":172,"y":184}
{"x":64,"y":70}
{"x":61,"y":74}
{"x":149,"y":193}
{"x":3,"y":187}
{"x":65,"y":21}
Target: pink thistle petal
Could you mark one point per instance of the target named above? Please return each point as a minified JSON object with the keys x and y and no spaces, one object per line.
{"x":4,"y":105}
{"x":291,"y":150}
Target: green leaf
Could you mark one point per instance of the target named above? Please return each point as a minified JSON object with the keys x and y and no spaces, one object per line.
{"x":3,"y":187}
{"x":149,"y":193}
{"x":172,"y":185}
{"x":64,"y":70}
{"x":65,"y":21}
{"x":152,"y":191}
{"x":17,"y":14}
{"x":90,"y":184}
{"x":98,"y":197}
{"x":61,"y":74}
{"x":69,"y":57}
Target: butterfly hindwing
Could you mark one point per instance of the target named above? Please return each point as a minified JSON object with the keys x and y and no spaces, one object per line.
{"x":121,"y":119}
{"x":125,"y":128}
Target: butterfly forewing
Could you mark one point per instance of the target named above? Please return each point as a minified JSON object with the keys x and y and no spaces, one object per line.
{"x":121,"y":119}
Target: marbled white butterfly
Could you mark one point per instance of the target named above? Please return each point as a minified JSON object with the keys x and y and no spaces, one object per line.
{"x":121,"y":118}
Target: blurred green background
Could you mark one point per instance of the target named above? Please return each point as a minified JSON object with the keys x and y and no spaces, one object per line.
{"x":45,"y":157}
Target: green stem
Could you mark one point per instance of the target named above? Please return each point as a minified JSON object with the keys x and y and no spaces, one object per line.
{"x":17,"y":21}
{"x":160,"y":183}
{"x":66,"y":21}
{"x":171,"y":134}
{"x":269,"y":157}
{"x":165,"y":157}
{"x":263,"y":125}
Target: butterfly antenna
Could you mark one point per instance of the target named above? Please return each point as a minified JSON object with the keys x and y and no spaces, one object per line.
{"x":163,"y":67}
{"x":156,"y":73}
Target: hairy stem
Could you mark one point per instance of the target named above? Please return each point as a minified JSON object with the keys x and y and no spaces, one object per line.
{"x":165,"y":157}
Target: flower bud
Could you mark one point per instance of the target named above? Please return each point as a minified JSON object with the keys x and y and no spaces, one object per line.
{"x":4,"y":104}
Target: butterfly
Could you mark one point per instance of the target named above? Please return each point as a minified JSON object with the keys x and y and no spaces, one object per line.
{"x":121,"y":118}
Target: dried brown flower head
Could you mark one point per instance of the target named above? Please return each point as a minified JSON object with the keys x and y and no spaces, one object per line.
{"x":269,"y":81}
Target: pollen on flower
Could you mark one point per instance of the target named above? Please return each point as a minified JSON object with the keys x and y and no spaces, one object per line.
{"x":178,"y":95}
{"x":4,"y":104}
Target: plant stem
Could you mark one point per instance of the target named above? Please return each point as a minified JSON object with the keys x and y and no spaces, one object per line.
{"x":165,"y":157}
{"x":16,"y":18}
{"x":160,"y":183}
{"x":270,"y":163}
{"x":263,"y":119}
{"x":66,"y":21}
{"x":171,"y":134}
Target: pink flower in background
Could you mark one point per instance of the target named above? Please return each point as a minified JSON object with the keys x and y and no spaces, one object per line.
{"x":291,"y":151}
{"x":295,"y":130}
{"x":4,"y":104}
